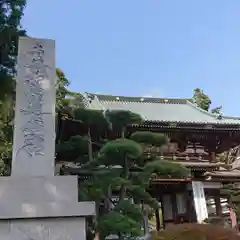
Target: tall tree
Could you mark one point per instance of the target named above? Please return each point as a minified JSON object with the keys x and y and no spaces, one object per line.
{"x":61,"y":89}
{"x":66,"y":100}
{"x":203,"y":101}
{"x":11,"y":13}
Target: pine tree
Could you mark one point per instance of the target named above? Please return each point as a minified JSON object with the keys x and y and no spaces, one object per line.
{"x":120,"y":167}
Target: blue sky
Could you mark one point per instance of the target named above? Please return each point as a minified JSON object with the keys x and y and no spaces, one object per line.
{"x":162,"y":48}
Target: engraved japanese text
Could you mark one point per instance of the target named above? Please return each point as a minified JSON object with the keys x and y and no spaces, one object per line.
{"x":33,"y":129}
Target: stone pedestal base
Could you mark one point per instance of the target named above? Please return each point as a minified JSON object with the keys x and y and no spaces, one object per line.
{"x":41,"y":197}
{"x":42,"y":208}
{"x":43,"y":229}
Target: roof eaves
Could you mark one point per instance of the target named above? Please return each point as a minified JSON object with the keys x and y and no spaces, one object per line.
{"x":209,"y":125}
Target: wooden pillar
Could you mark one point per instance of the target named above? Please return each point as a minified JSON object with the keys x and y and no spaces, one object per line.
{"x":191,"y":213}
{"x":211,"y":145}
{"x":163,"y":210}
{"x":218,"y":206}
{"x":213,"y":157}
{"x":157,"y":219}
{"x":174,"y":208}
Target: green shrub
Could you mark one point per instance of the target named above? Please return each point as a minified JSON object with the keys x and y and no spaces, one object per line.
{"x":195,"y":232}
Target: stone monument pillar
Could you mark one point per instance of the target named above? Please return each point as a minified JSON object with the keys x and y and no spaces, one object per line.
{"x":35,"y":204}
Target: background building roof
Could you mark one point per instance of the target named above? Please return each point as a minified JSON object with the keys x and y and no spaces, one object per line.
{"x":158,"y":109}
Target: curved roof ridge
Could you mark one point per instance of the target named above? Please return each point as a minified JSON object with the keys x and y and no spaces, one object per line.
{"x":105,"y":97}
{"x":211,"y":114}
{"x":92,"y":100}
{"x":202,"y":110}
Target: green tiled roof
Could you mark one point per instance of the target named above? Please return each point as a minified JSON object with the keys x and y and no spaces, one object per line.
{"x":158,"y":109}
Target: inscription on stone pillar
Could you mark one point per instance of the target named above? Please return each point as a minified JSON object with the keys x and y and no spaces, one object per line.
{"x":33,"y":130}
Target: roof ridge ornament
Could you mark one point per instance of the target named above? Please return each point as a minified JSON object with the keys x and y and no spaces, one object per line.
{"x":90,"y":96}
{"x":220,"y":116}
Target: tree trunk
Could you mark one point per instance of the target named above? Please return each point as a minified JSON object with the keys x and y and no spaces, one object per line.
{"x":107,"y":200}
{"x":145,"y":220}
{"x":123,"y":190}
{"x":90,"y":151}
{"x":125,"y":176}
